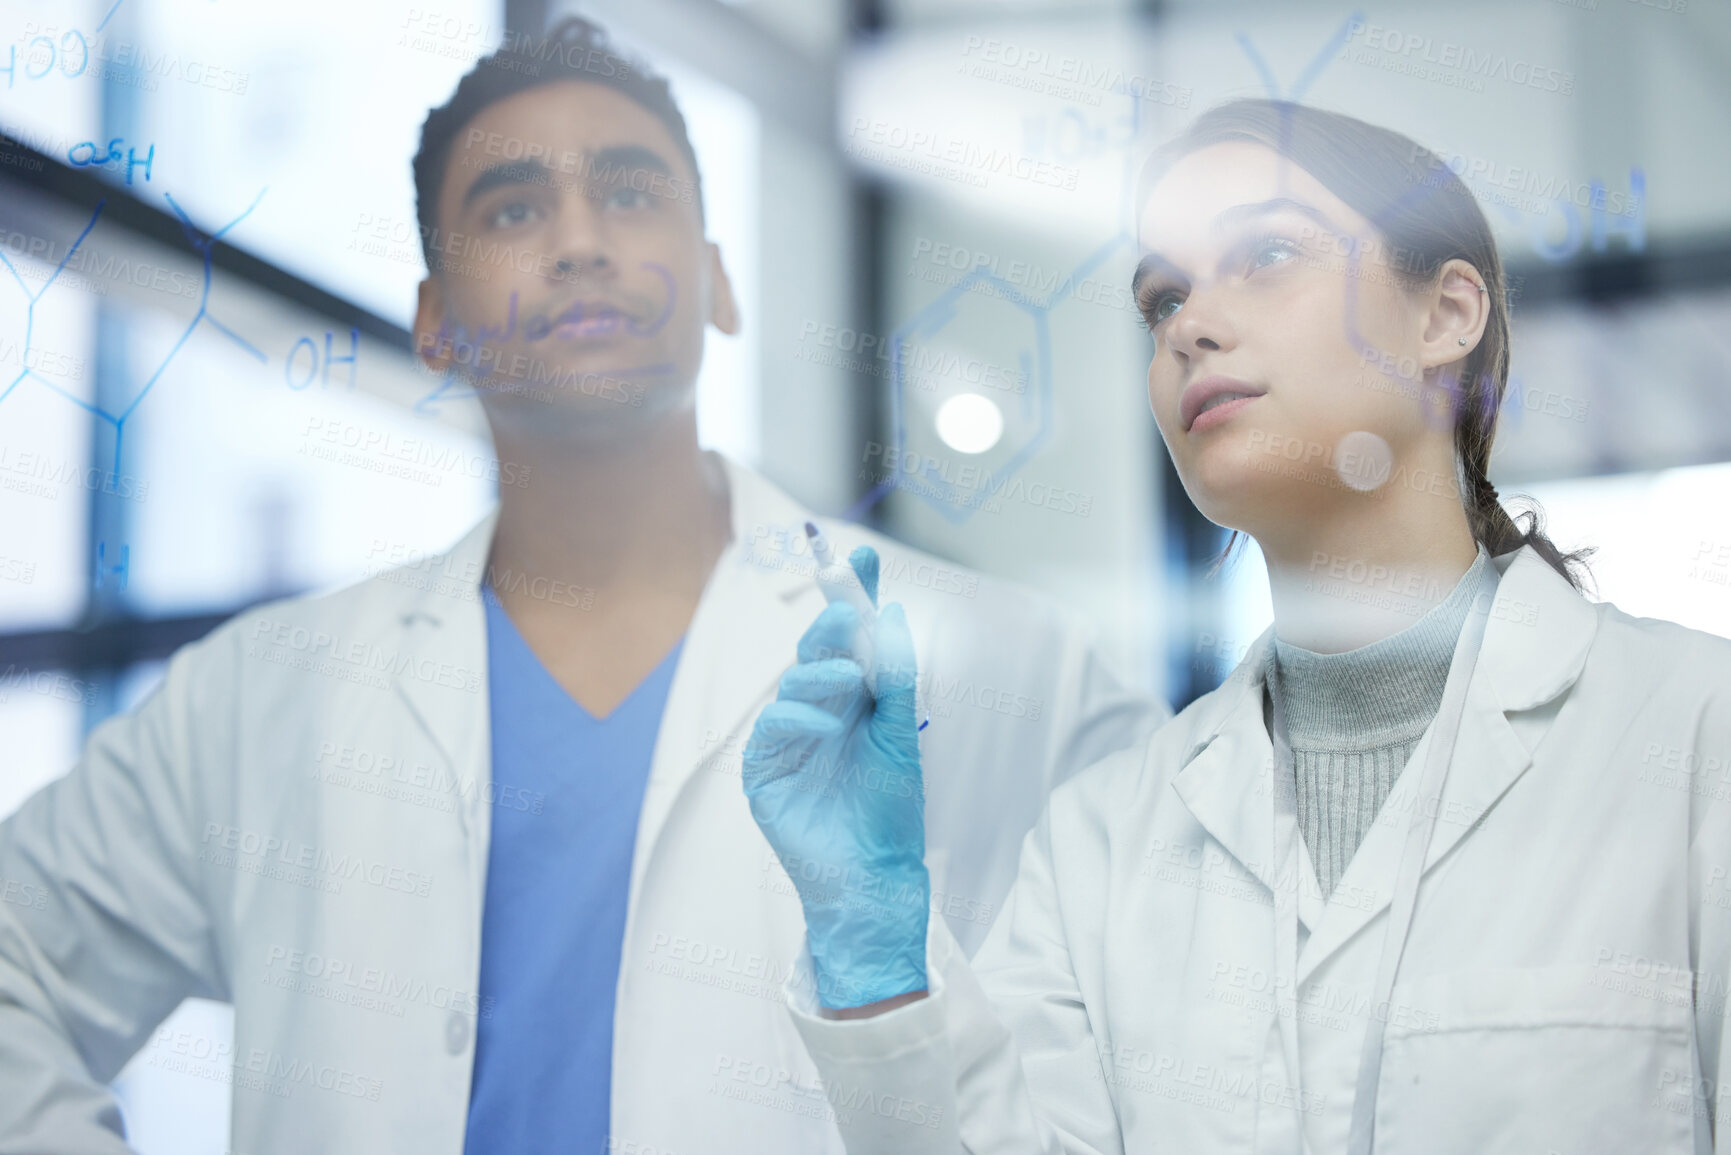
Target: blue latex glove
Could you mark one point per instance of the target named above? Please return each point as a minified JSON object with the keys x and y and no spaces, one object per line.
{"x":833,"y":778}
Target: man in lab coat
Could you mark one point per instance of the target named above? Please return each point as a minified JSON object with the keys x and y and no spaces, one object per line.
{"x":465,"y":845}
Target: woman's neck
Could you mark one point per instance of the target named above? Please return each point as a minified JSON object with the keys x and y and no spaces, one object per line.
{"x":1353,"y":585}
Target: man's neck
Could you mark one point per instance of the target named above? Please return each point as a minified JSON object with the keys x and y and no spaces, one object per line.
{"x":602,"y":558}
{"x":647,"y":511}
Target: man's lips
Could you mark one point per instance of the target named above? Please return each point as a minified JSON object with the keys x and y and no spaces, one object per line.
{"x":583,"y":321}
{"x":590,"y":325}
{"x":599,"y":318}
{"x":1213,"y":400}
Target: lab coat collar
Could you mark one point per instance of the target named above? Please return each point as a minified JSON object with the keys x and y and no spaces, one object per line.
{"x":442,"y":623}
{"x":758,"y":600}
{"x":1540,"y":630}
{"x":1227,"y":776}
{"x":1535,"y":645}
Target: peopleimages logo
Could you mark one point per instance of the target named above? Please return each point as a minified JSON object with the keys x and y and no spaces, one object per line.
{"x":37,"y":473}
{"x":1065,"y":76}
{"x":324,"y":868}
{"x":322,"y":438}
{"x":355,"y":659}
{"x":101,"y":265}
{"x":939,"y":154}
{"x":51,"y":683}
{"x":1462,"y":60}
{"x":375,"y":980}
{"x":966,"y":484}
{"x":922,"y":366}
{"x":950,"y":263}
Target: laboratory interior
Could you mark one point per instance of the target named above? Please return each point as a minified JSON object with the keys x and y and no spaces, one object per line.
{"x":217,"y":397}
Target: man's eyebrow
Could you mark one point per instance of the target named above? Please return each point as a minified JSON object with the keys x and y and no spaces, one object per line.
{"x":604,"y":163}
{"x":630,"y":157}
{"x":514,"y":172}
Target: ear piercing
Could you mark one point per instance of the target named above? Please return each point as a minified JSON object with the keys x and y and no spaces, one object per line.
{"x":1463,"y":340}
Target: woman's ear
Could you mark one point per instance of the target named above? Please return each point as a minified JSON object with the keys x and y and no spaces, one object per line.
{"x":1457,"y":308}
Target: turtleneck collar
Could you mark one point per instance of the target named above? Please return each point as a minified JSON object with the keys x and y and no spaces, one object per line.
{"x":1379,"y":694}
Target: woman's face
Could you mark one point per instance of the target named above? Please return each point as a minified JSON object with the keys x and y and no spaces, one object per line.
{"x":1248,"y":285}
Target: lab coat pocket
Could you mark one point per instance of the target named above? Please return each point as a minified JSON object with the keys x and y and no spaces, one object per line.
{"x":1558,"y":1060}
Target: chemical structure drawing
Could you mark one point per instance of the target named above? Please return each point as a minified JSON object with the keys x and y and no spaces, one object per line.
{"x":55,"y":52}
{"x":958,"y":503}
{"x":204,"y":244}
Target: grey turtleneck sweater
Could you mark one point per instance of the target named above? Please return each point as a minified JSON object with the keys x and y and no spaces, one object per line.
{"x":1353,"y":719}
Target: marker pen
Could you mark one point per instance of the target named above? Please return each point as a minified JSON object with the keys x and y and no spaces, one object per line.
{"x":839,"y":583}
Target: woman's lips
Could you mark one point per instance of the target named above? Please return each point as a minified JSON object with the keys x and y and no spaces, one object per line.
{"x":1212,"y":390}
{"x":1219,"y":414}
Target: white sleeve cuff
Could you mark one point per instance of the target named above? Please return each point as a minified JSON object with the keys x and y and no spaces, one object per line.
{"x":908,"y":1027}
{"x":890,"y":1079}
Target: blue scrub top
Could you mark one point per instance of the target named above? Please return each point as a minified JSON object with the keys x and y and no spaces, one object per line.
{"x":567,"y":789}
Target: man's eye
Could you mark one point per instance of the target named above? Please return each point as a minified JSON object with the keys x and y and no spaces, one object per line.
{"x":514,"y":213}
{"x":627,"y":198}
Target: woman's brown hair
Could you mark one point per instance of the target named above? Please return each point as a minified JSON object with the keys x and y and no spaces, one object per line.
{"x":1425,"y":212}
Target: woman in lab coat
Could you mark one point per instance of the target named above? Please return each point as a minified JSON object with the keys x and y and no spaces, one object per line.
{"x":1442,"y":865}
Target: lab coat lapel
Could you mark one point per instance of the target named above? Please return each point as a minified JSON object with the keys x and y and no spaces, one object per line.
{"x":1535,"y":644}
{"x":1226,"y":781}
{"x":1487,"y":760}
{"x":440,"y":666}
{"x":1228,"y":784}
{"x":759,"y":599}
{"x":756,"y":604}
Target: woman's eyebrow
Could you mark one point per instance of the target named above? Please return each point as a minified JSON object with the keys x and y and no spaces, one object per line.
{"x":1152,"y":261}
{"x":1226,"y":218}
{"x":1150,"y":264}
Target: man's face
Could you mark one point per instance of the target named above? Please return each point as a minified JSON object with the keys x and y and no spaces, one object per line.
{"x":577,"y":282}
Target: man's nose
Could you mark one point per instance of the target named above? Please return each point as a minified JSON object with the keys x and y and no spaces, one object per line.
{"x":581,"y":247}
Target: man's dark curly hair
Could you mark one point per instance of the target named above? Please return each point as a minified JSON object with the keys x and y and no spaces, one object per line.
{"x":573,"y":49}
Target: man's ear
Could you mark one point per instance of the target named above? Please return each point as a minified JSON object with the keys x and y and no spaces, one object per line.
{"x":723,"y":309}
{"x":432,"y":345}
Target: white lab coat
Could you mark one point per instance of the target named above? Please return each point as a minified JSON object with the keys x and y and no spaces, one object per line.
{"x":1563,"y":989}
{"x":297,"y":822}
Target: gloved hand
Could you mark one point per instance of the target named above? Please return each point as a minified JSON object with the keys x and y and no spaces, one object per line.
{"x":833,"y":778}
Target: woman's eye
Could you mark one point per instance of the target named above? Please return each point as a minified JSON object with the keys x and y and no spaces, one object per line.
{"x":1271,"y":253}
{"x":1165,"y":305}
